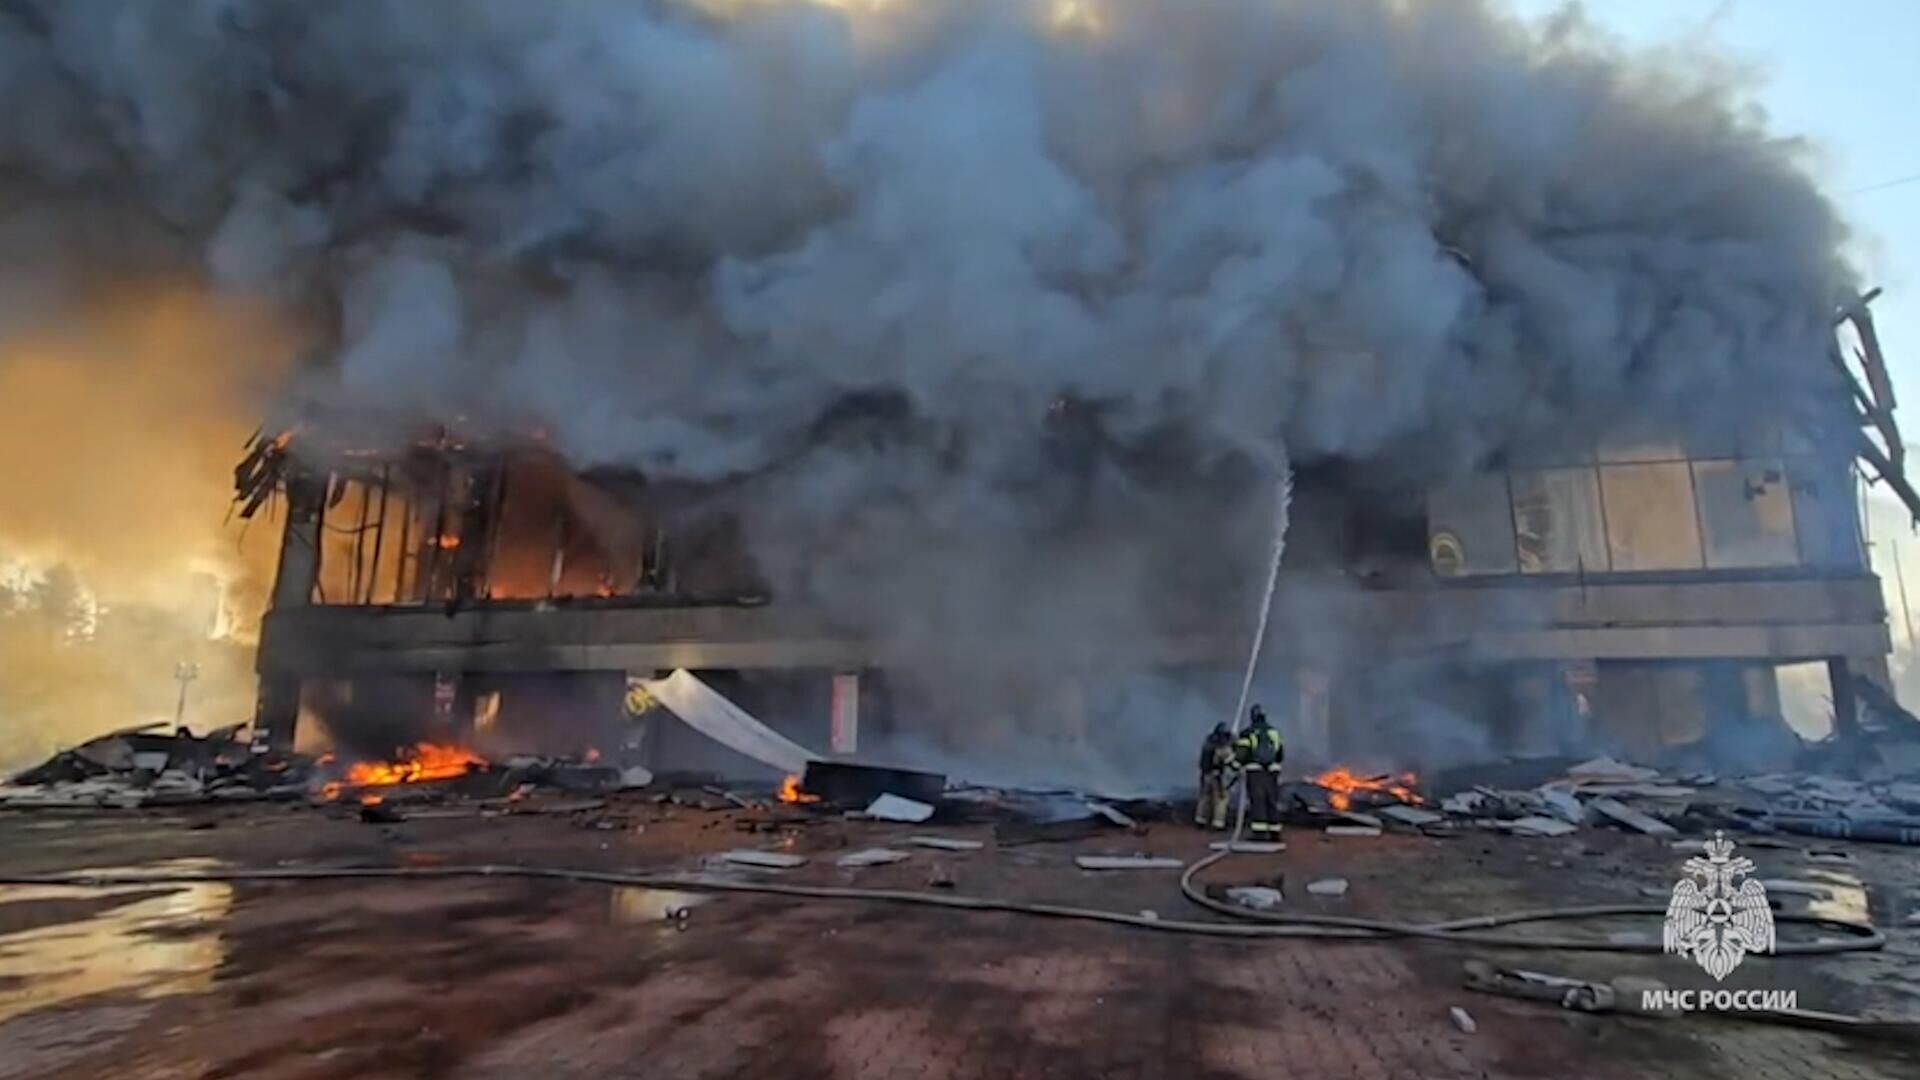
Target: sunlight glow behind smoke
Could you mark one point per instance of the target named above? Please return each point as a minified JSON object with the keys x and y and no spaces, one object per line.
{"x":120,"y":419}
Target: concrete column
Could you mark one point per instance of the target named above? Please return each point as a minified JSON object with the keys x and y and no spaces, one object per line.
{"x":1762,"y":685}
{"x":1537,"y":729}
{"x":1846,"y":711}
{"x":465,"y":707}
{"x":447,"y":702}
{"x":300,"y":541}
{"x":1312,"y":737}
{"x":276,"y":714}
{"x":1066,"y":706}
{"x":844,"y":730}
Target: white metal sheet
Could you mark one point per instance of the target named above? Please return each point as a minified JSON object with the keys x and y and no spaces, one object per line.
{"x":704,"y":710}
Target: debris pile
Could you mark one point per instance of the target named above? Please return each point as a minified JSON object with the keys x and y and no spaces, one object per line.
{"x":1605,"y":792}
{"x":1047,"y":817}
{"x":146,"y":767}
{"x":1885,"y":746}
{"x":1885,"y":812}
{"x":143,"y":766}
{"x":1594,"y":792}
{"x":1600,"y":792}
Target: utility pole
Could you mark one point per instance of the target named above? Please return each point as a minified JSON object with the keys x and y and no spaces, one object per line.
{"x":183,"y":673}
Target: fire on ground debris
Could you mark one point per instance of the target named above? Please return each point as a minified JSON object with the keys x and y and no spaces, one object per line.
{"x":1869,"y":793}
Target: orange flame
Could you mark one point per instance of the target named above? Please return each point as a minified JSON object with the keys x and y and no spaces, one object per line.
{"x":790,"y":792}
{"x":1341,"y":782}
{"x":427,"y":761}
{"x":372,"y":800}
{"x":331,"y":790}
{"x":448,"y":543}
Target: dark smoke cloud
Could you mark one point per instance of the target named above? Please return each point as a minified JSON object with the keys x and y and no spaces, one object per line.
{"x":844,"y":262}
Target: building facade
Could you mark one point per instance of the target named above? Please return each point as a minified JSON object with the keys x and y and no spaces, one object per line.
{"x":1634,"y":593}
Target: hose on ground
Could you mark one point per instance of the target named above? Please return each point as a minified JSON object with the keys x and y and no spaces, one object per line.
{"x":1463,"y":931}
{"x":1321,"y":927}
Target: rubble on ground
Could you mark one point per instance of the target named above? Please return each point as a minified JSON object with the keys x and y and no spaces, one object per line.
{"x":141,"y":766}
{"x":1257,"y":897}
{"x":585,"y":777}
{"x":854,"y":860}
{"x":1579,"y":995}
{"x":1334,"y":887}
{"x":943,"y":843}
{"x":1126,"y":862}
{"x":1536,"y":825}
{"x":889,"y":807}
{"x":152,"y":767}
{"x":763,"y":860}
{"x":1412,"y":815}
{"x":1604,"y":792}
{"x":1046,"y":817}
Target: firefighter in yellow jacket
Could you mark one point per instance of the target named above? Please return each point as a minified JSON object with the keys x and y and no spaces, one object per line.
{"x":1217,"y":756}
{"x":1260,"y":751}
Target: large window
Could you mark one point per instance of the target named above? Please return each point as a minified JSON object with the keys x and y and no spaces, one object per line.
{"x":1557,"y":520}
{"x":1648,"y":506}
{"x":430,"y":530}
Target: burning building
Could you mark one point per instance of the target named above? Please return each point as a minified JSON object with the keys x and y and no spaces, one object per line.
{"x":931,"y":374}
{"x":1629,"y":593}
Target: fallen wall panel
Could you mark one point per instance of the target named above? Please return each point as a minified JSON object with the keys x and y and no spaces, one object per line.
{"x":703,"y":709}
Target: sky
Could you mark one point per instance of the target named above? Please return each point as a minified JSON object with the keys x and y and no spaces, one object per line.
{"x":1843,"y":75}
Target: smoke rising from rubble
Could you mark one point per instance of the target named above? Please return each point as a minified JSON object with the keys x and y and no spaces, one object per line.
{"x":990,"y":318}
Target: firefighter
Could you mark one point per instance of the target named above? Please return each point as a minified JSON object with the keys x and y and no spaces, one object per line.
{"x":1260,"y":752}
{"x":1216,"y":778}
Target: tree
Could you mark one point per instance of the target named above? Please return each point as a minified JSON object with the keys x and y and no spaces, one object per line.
{"x":63,"y":604}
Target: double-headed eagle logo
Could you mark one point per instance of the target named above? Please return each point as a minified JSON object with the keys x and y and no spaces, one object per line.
{"x":1712,"y":921}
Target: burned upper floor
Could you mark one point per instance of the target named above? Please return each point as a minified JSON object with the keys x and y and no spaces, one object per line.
{"x":451,"y":523}
{"x":451,"y":519}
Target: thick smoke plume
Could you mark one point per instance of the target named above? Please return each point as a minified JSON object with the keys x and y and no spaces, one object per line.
{"x":989,"y":318}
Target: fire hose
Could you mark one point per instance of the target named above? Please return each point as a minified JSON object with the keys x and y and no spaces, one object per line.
{"x":1295,"y":926}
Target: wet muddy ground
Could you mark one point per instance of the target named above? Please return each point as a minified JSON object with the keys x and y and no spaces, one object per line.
{"x":486,"y":978}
